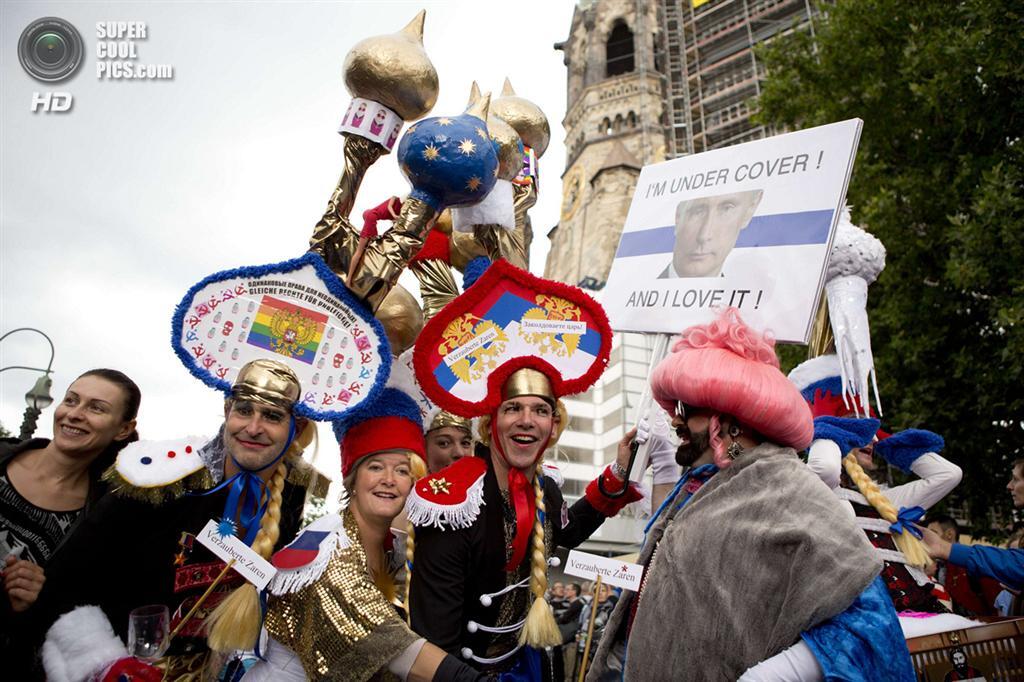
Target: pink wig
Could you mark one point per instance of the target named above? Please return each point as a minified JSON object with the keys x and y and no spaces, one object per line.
{"x":730,"y":369}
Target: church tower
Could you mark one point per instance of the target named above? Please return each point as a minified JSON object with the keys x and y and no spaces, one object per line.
{"x":614,"y":125}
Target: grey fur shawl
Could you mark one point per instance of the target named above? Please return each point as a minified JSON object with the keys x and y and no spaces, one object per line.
{"x":761,"y":553}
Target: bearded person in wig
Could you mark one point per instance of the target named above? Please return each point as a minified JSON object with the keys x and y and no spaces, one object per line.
{"x":749,"y":562}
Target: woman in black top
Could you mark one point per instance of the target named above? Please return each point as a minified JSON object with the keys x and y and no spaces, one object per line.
{"x":46,"y":486}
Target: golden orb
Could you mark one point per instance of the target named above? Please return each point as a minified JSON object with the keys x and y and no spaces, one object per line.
{"x":525,"y":116}
{"x":394,"y":70}
{"x":401,"y":317}
{"x":510,"y":154}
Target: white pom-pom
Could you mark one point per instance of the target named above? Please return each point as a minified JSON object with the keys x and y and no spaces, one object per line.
{"x":497,"y":208}
{"x":485,"y":599}
{"x":554,"y":561}
{"x":467,"y":653}
{"x":471,"y":626}
{"x":855,"y":252}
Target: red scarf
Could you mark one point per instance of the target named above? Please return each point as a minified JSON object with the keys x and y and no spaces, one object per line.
{"x":520,"y":492}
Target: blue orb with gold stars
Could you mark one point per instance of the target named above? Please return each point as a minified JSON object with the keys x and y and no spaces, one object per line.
{"x":449,"y":161}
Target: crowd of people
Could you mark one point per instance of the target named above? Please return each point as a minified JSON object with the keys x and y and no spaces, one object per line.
{"x":470,"y":588}
{"x":773,"y":551}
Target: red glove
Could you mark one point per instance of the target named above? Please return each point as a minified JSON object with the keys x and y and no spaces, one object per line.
{"x":435,"y":247}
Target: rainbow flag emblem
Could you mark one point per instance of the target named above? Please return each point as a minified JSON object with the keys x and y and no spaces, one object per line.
{"x":288,"y":329}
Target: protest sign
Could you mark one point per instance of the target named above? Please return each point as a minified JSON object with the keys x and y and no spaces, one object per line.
{"x":295,"y":312}
{"x":748,"y":226}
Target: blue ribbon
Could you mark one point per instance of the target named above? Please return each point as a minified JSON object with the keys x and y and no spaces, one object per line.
{"x":905,"y":519}
{"x":246,"y":480}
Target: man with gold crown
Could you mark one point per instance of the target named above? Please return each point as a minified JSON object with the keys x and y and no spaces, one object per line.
{"x":506,"y":350}
{"x":140,"y":546}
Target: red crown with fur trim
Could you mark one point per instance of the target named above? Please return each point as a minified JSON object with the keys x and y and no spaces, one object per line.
{"x":510,"y":319}
{"x":451,"y":497}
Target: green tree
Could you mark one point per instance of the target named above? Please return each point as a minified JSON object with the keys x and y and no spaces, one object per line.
{"x":939,"y":178}
{"x":4,"y":433}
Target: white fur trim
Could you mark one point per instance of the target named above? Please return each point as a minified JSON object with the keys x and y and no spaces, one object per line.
{"x":290,"y":581}
{"x":421,"y":512}
{"x":161,"y":469}
{"x":554,"y":473}
{"x":814,"y":370}
{"x":80,"y":644}
{"x":497,"y":208}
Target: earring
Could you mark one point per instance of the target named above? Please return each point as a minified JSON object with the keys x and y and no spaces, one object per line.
{"x":734,"y":431}
{"x":734,"y":450}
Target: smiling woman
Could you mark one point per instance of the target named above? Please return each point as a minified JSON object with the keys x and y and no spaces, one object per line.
{"x":334,"y":611}
{"x":46,"y":487}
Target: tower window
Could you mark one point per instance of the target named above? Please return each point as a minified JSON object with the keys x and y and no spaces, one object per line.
{"x":619,"y":50}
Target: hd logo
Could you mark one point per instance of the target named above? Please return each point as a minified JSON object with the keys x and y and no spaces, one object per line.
{"x":50,"y":50}
{"x":51,"y":102}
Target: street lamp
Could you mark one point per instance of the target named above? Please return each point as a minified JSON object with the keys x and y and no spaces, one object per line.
{"x":39,"y":398}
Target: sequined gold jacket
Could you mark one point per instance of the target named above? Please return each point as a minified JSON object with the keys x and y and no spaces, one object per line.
{"x":339,"y":623}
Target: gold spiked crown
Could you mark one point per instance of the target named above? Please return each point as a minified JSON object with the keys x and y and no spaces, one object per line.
{"x":528,"y":381}
{"x":443,"y":419}
{"x":267,"y":381}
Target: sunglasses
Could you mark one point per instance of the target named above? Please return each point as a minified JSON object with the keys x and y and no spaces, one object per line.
{"x":682,"y":409}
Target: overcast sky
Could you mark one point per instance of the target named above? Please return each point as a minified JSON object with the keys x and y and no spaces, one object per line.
{"x":110,"y":212}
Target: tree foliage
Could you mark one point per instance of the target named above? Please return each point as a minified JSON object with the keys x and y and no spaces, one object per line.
{"x":939,"y":178}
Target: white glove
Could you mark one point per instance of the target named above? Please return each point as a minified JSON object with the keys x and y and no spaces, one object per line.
{"x":795,"y":664}
{"x":662,"y":449}
{"x":80,"y":644}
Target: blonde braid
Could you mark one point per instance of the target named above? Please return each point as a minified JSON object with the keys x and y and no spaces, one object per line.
{"x":419,"y":470}
{"x":410,"y":548}
{"x":540,"y":630}
{"x":905,"y":541}
{"x":235,"y":623}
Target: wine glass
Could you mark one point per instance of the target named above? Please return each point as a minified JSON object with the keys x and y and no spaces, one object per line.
{"x":148,"y":635}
